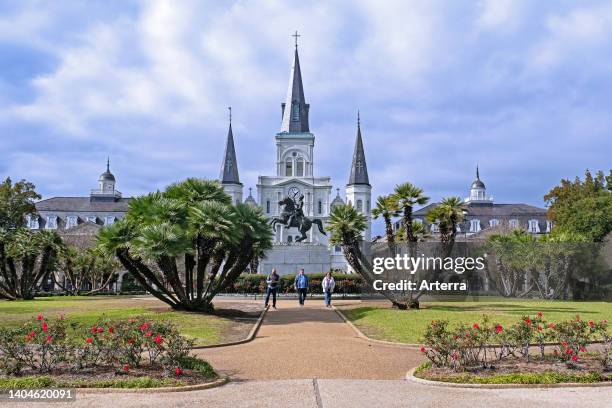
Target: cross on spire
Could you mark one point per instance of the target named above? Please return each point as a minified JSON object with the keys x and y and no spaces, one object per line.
{"x":296,"y":35}
{"x":230,"y":114}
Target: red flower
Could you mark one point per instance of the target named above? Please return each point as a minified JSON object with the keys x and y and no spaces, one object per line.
{"x":498,"y":329}
{"x":111,"y":330}
{"x":94,"y":329}
{"x":575,"y":358}
{"x":539,"y":314}
{"x":583,"y":349}
{"x":45,"y":328}
{"x":552,"y":325}
{"x":539,"y":328}
{"x":131,"y":341}
{"x":126,"y":367}
{"x":591,"y":323}
{"x":528,"y":321}
{"x":569,"y":351}
{"x":89,"y":340}
{"x":148,"y":334}
{"x":49,"y":338}
{"x":144,"y":326}
{"x":476,"y":326}
{"x":564,"y":343}
{"x":178,"y":371}
{"x":100,"y":329}
{"x":422,"y":349}
{"x":455,"y":356}
{"x":32,"y":334}
{"x":158,"y":339}
{"x":39,"y":317}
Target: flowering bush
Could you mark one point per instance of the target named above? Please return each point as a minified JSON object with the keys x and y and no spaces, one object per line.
{"x":43,"y":344}
{"x":480,"y":344}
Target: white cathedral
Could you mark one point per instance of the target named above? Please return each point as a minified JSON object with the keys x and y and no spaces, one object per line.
{"x":295,"y":173}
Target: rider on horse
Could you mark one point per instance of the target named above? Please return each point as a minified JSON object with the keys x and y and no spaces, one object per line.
{"x":298,"y":213}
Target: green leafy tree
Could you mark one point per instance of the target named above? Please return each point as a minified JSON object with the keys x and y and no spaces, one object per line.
{"x":188,"y":243}
{"x":26,"y":258}
{"x":408,"y":195}
{"x":582,"y":206}
{"x":78,"y":266}
{"x":16,"y":201}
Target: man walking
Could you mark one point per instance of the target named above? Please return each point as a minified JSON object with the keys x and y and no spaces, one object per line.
{"x":301,"y":286}
{"x":272,"y":282}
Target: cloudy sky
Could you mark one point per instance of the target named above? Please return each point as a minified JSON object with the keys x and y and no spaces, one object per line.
{"x":522,"y":88}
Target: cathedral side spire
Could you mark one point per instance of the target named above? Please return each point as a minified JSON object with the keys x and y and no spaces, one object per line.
{"x":229,"y":166}
{"x":359,"y":169}
{"x":295,"y":109}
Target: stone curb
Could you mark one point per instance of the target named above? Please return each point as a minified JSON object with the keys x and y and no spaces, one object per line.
{"x":412,"y":378}
{"x":217,"y":383}
{"x":413,"y":345}
{"x":364,"y":337}
{"x":247,"y":339}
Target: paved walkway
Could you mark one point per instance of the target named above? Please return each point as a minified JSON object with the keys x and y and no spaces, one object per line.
{"x":310,"y":342}
{"x":308,"y":357}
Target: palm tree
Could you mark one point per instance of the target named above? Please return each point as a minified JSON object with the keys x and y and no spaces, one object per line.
{"x":386,"y":207}
{"x":448,"y":214}
{"x":346,"y":226}
{"x":26,"y":258}
{"x":188,"y":243}
{"x":407,"y":195}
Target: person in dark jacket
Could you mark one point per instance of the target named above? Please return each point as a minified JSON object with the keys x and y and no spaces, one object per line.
{"x":301,"y":286}
{"x":272,"y":281}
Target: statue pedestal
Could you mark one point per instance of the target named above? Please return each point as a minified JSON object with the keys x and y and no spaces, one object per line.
{"x":290,"y":258}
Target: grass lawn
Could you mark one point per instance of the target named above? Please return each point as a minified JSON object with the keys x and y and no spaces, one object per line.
{"x":379,"y":321}
{"x":205,"y":329}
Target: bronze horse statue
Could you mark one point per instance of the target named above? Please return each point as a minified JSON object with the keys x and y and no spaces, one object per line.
{"x":292,"y":216}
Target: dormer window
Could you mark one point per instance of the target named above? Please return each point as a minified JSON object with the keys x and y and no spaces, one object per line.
{"x":32,"y":221}
{"x":474,"y":225}
{"x":494,"y":222}
{"x":109,"y":220}
{"x":514,"y":223}
{"x":92,"y":218}
{"x":534,"y":226}
{"x":51,"y":222}
{"x":71,"y":221}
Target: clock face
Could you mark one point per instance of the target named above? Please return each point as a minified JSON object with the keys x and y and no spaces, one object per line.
{"x":294,"y":192}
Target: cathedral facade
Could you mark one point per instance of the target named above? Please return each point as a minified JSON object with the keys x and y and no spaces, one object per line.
{"x":294,"y":177}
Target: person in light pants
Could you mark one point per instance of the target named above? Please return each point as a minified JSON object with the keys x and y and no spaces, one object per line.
{"x":328,"y":288}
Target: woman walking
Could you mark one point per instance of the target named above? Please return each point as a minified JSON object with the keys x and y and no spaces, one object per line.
{"x":328,"y":288}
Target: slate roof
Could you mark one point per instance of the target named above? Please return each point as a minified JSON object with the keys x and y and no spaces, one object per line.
{"x":82,"y":204}
{"x":492,"y":210}
{"x":359,"y":168}
{"x":295,"y":96}
{"x":229,"y":166}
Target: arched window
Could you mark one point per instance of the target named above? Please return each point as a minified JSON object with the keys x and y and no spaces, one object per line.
{"x":289,"y":168}
{"x":299,"y":167}
{"x":359,"y":206}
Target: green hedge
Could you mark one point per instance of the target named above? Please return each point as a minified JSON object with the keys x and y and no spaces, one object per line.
{"x":256,"y":284}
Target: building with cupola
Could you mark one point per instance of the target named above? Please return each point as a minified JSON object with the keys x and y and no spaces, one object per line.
{"x":484,"y":216}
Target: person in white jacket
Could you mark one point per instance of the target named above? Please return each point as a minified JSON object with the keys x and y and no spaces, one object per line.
{"x":328,"y":288}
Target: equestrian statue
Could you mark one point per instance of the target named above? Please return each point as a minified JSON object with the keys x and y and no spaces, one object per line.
{"x":292,"y":215}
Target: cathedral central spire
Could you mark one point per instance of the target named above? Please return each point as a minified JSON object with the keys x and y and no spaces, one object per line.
{"x":295,"y":108}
